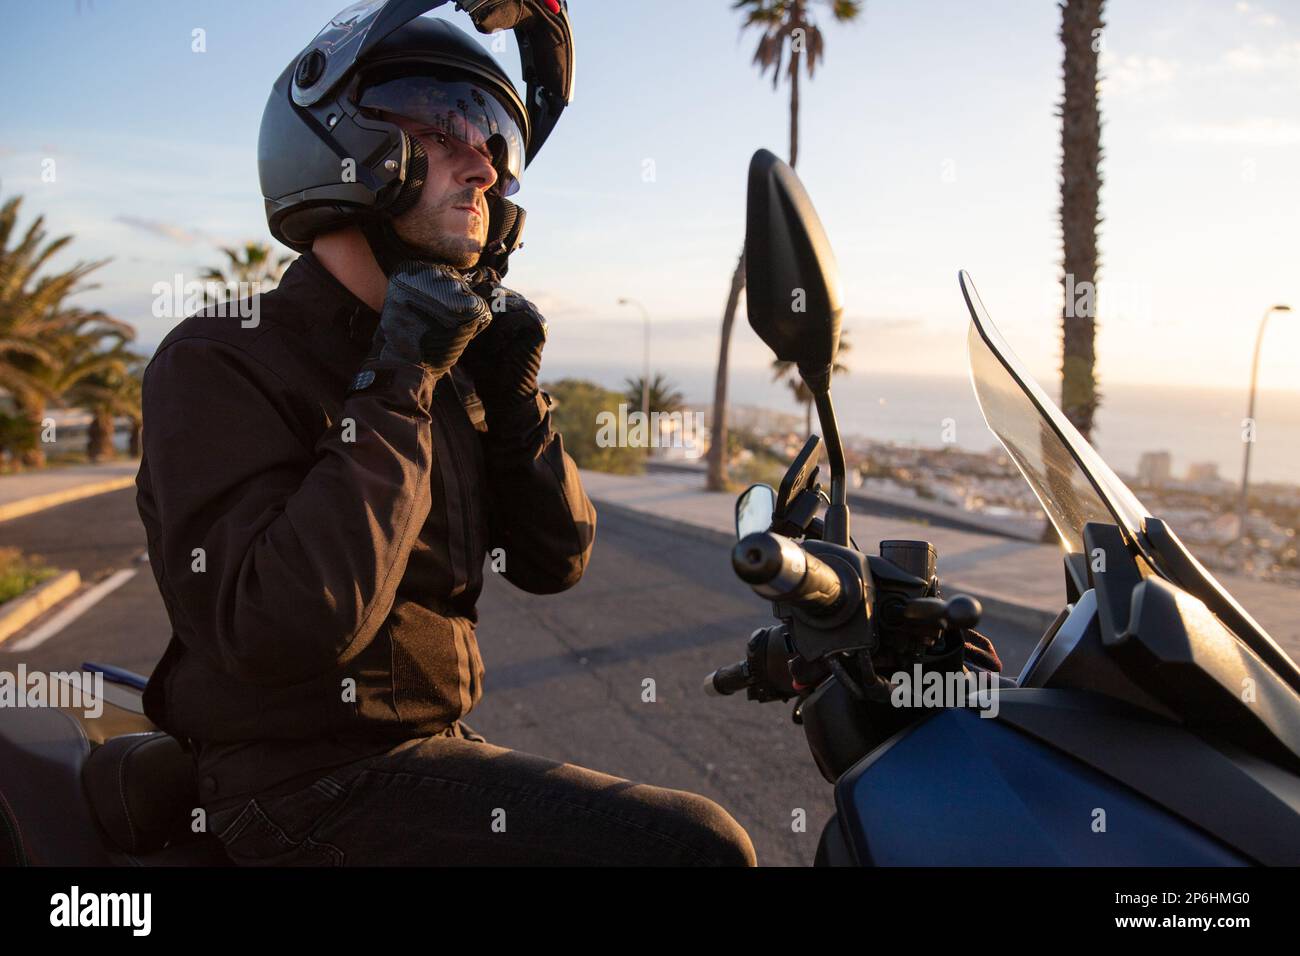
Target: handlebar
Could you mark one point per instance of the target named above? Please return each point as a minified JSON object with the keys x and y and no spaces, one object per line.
{"x":777,"y":568}
{"x":728,"y":680}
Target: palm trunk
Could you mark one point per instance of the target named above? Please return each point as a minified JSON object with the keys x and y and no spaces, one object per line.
{"x":32,"y":408}
{"x":794,"y":108}
{"x":99,"y":446}
{"x":1080,"y":201}
{"x":717,"y":474}
{"x":133,"y":445}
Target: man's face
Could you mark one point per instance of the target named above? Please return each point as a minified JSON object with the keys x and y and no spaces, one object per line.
{"x":449,"y":221}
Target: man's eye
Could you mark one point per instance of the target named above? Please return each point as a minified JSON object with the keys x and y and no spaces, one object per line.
{"x":442,"y":139}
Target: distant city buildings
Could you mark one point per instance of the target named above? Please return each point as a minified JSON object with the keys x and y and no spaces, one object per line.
{"x":1201,"y":506}
{"x":1155,"y":467}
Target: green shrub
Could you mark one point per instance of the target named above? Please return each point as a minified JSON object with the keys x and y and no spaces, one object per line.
{"x":578,"y":404}
{"x":19,"y":574}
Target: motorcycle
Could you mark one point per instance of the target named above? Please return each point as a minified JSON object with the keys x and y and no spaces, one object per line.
{"x":1154,"y":724}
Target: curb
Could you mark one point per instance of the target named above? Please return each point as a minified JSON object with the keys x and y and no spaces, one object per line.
{"x":1024,"y":615}
{"x":26,"y":506}
{"x":21,"y":611}
{"x":936,"y":514}
{"x":699,"y":531}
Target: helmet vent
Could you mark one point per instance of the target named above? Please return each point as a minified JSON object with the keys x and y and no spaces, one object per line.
{"x":310,"y":69}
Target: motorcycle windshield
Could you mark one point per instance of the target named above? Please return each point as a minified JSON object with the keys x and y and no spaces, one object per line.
{"x":1068,"y":477}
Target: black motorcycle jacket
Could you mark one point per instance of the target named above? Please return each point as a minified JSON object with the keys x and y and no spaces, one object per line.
{"x":318,"y":524}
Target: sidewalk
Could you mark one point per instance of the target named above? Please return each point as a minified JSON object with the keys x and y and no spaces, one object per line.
{"x":31,"y":491}
{"x":1022,"y":580}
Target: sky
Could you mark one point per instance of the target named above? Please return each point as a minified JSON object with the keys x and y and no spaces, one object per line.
{"x":929,"y":144}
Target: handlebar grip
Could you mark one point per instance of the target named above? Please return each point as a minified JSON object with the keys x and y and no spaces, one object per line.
{"x":778,"y":569}
{"x":727,"y":680}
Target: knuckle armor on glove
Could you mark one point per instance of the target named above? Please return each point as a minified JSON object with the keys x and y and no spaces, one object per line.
{"x":430,"y":315}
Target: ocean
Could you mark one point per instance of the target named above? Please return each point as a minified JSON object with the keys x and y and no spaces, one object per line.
{"x":1194,"y":424}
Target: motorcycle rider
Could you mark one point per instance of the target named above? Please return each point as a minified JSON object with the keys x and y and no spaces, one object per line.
{"x":321,"y":487}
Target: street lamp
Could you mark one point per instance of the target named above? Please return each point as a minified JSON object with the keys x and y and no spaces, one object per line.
{"x":1250,"y":420}
{"x":645,"y":375}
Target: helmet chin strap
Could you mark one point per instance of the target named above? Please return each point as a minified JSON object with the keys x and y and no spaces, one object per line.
{"x":387,"y":247}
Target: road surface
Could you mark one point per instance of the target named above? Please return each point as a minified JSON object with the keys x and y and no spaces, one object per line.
{"x":565,"y":673}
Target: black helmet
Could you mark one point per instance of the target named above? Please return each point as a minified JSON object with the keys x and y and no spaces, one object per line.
{"x":328,"y":154}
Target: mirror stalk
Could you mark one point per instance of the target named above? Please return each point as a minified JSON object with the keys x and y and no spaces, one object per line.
{"x":837,"y":513}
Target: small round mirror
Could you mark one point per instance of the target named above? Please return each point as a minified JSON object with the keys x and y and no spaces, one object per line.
{"x":754,"y":510}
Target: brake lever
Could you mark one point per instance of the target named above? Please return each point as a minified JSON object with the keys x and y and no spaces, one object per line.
{"x":959,"y":612}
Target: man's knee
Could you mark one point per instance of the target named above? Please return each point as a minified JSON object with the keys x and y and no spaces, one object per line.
{"x":718,"y":838}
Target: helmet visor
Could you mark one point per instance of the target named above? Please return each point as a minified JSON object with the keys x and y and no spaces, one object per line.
{"x":468,"y":112}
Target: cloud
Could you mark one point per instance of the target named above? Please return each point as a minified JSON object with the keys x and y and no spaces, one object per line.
{"x":1250,"y":131}
{"x":1256,"y":16}
{"x":1250,"y":59}
{"x":1135,"y":73}
{"x":164,"y":230}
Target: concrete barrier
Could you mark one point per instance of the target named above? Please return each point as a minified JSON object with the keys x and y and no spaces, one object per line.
{"x":17,"y":613}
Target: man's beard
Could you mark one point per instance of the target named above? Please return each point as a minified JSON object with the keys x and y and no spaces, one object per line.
{"x":419,"y":230}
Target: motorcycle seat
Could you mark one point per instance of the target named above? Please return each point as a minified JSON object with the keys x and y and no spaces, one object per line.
{"x":142,"y":790}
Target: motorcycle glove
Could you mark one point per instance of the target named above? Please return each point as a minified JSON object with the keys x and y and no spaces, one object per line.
{"x":506,"y":360}
{"x":979,"y":650}
{"x":430,"y":315}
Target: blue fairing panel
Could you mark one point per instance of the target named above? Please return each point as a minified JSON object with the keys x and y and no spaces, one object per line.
{"x":962,"y":790}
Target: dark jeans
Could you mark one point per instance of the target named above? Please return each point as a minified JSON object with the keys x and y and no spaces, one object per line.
{"x":458,"y":801}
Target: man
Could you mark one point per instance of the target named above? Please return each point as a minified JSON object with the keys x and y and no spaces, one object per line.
{"x":321,"y":486}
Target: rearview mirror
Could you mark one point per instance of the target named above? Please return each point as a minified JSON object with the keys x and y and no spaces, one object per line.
{"x":792,"y":281}
{"x":754,"y":510}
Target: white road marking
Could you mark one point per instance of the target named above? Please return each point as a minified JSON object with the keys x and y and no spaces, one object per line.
{"x":75,"y":608}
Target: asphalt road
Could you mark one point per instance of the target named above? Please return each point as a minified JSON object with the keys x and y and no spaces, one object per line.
{"x":565,"y":674}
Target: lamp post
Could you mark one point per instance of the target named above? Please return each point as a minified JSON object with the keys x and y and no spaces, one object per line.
{"x":1250,"y":423}
{"x":645,"y":374}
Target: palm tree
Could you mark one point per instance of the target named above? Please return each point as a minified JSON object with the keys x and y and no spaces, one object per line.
{"x":664,"y":396}
{"x":251,"y":264}
{"x":90,"y":359}
{"x":789,"y":372}
{"x":37,"y":330}
{"x":111,"y":392}
{"x":1081,"y":25}
{"x":782,"y":24}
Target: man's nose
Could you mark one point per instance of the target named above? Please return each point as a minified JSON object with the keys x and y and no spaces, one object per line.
{"x":478,"y":171}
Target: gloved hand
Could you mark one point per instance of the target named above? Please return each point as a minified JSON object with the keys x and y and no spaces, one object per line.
{"x":979,"y":650}
{"x":506,"y":359}
{"x":430,"y":315}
